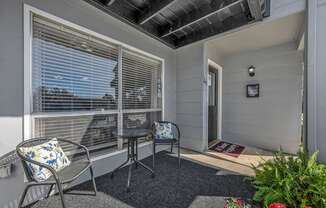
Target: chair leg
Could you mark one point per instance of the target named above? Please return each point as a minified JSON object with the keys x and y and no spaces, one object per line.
{"x":179,"y":155}
{"x":61,"y":194}
{"x":153,"y":155}
{"x":22,"y":198}
{"x":136,"y":150}
{"x":93,"y":180}
{"x":171,"y":147}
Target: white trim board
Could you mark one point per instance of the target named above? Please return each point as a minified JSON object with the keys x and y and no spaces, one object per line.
{"x":205,"y":98}
{"x":219,"y":95}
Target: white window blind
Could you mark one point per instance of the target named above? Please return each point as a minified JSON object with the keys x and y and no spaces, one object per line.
{"x":72,"y":71}
{"x":140,"y":81}
{"x":93,"y":131}
{"x":75,"y":89}
{"x":140,"y":120}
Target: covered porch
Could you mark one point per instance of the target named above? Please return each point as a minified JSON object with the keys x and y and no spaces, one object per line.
{"x":227,"y":76}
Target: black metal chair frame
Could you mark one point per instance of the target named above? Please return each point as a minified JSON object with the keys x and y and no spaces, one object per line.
{"x":57,"y":181}
{"x":173,"y":141}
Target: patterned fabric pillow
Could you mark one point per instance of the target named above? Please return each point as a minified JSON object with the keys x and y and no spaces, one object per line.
{"x":163,"y":131}
{"x":49,"y":153}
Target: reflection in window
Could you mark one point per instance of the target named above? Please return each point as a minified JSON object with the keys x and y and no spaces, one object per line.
{"x":141,"y":88}
{"x":75,"y":86}
{"x":71,"y":72}
{"x":140,"y":120}
{"x":91,"y":131}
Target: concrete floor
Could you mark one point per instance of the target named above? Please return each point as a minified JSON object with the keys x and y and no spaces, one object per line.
{"x":241,"y":165}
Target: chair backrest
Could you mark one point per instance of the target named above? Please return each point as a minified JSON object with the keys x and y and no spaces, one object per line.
{"x":28,"y":143}
{"x":31,"y":143}
{"x":175,"y":129}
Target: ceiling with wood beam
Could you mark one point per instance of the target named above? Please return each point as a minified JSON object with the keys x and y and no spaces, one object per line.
{"x":177,"y":23}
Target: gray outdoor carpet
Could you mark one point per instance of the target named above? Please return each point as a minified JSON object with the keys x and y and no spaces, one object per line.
{"x":192,"y":185}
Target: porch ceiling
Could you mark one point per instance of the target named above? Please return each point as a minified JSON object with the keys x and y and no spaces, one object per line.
{"x":271,"y":33}
{"x":180,"y":22}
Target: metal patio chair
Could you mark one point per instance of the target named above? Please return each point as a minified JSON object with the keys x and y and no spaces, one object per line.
{"x":166,"y":141}
{"x":70,"y":173}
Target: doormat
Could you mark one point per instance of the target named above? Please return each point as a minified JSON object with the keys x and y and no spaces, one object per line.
{"x":227,"y":148}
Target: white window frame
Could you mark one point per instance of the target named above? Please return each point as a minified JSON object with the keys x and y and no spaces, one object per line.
{"x":28,"y":119}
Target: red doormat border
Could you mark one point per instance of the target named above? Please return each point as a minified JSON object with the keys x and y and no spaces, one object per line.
{"x":227,"y":148}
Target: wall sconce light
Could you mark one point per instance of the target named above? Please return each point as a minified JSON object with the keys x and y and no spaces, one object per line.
{"x":251,"y":71}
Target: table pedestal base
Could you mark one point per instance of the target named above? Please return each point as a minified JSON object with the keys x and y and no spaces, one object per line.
{"x":132,"y":159}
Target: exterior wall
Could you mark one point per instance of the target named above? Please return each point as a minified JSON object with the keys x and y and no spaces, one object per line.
{"x":272,"y":120}
{"x":316,"y":73}
{"x":190,"y":63}
{"x":212,"y":53}
{"x":321,"y":74}
{"x":281,"y":8}
{"x":12,"y":73}
{"x":78,"y":12}
{"x":191,"y":76}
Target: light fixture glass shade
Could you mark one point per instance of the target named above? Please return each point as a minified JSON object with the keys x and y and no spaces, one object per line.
{"x":251,"y":71}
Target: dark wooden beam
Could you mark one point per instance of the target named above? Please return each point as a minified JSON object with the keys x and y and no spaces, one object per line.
{"x":198,"y":16}
{"x":148,"y":31}
{"x":108,"y":2}
{"x":156,"y":8}
{"x":228,"y":24}
{"x":255,"y":9}
{"x":267,"y":11}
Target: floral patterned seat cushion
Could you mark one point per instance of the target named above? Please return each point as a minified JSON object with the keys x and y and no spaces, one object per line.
{"x":163,"y":131}
{"x":49,"y":153}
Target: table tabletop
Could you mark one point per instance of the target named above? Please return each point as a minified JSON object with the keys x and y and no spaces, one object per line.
{"x":133,"y":133}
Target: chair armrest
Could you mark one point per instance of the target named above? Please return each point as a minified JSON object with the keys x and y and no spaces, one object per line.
{"x":178,"y":130}
{"x":78,"y":145}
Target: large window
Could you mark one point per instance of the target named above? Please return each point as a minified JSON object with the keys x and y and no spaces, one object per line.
{"x":85,"y":88}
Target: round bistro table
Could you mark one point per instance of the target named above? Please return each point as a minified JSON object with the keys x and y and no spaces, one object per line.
{"x":132,"y":135}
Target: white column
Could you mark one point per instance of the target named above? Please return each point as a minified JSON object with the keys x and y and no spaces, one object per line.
{"x":316,"y":76}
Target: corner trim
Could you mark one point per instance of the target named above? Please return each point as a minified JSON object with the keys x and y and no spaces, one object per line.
{"x":311,"y":76}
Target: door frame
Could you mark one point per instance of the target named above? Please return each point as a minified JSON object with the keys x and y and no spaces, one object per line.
{"x":219,"y":69}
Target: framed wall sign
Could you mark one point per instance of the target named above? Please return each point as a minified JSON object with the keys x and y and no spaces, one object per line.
{"x":253,"y":90}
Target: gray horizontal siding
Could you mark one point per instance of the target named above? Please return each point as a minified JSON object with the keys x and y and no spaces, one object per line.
{"x":273,"y":119}
{"x":189,"y":89}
